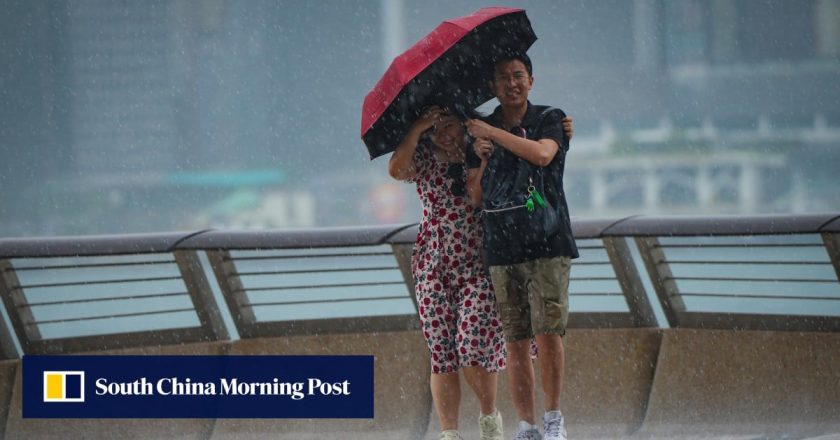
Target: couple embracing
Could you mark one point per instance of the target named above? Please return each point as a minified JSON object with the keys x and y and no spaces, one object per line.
{"x":492,"y":259}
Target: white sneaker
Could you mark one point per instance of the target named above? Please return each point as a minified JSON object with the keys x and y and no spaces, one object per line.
{"x":450,"y":434}
{"x":554,"y":426}
{"x":491,"y":426}
{"x":527,"y":432}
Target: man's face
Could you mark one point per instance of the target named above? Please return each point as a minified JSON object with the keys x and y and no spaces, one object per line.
{"x":511,"y":83}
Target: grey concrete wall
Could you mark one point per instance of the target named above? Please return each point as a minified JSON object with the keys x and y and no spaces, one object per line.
{"x":708,"y":382}
{"x":673,"y":383}
{"x":67,"y":429}
{"x":8,"y":373}
{"x":402,"y":398}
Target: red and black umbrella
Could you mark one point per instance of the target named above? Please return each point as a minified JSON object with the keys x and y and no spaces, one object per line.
{"x":452,"y":64}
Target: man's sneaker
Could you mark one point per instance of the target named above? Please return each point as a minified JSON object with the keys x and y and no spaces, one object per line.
{"x":491,"y":426}
{"x":450,"y":434}
{"x":527,"y":432}
{"x":554,"y":426}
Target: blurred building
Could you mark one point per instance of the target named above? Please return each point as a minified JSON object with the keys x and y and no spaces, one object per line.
{"x":726,"y":106}
{"x":118,"y":104}
{"x":694,"y":106}
{"x":109,"y":107}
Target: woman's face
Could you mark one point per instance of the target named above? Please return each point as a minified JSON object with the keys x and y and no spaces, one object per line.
{"x":448,"y":133}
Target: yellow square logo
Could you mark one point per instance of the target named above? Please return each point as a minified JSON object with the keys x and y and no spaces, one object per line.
{"x":64,"y":386}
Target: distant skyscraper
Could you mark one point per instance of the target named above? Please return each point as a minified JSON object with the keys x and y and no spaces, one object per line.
{"x":121,"y":101}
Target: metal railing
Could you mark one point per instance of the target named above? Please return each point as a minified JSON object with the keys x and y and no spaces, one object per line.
{"x":77,"y":294}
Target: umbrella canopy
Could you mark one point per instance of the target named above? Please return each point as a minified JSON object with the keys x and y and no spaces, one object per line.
{"x":450,"y":66}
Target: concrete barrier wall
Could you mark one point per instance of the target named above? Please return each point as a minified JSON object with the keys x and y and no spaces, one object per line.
{"x":67,"y":429}
{"x":708,"y":382}
{"x":694,"y":383}
{"x":608,"y":379}
{"x":8,"y":372}
{"x":402,"y":399}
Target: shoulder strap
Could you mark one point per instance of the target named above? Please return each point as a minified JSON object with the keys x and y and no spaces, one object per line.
{"x":543,"y":114}
{"x":541,"y":118}
{"x":538,"y":171}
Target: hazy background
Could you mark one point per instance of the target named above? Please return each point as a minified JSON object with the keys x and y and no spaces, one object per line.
{"x":121,"y":116}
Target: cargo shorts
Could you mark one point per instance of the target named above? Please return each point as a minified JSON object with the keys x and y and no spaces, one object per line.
{"x":533,"y":297}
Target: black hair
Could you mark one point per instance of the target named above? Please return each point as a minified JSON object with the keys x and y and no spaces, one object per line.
{"x":519,"y":56}
{"x":461,"y":112}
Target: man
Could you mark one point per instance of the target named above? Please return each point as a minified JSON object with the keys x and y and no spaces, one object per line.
{"x":531,"y":280}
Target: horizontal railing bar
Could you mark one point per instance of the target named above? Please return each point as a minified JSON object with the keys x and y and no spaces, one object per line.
{"x":759,"y":296}
{"x":591,"y":263}
{"x":282,"y":257}
{"x":322,"y":326}
{"x":87,"y":266}
{"x":740,"y":245}
{"x":99,"y":342}
{"x":596,"y":294}
{"x":592,"y":279}
{"x":88,"y":283}
{"x":121,"y":315}
{"x":338,"y":237}
{"x":285,"y":303}
{"x":739,"y":279}
{"x":320,"y":286}
{"x":591,"y":247}
{"x":104,"y":299}
{"x":294,"y":272}
{"x":704,"y":226}
{"x":742,"y":262}
{"x":93,"y":245}
{"x":742,"y":321}
{"x":573,"y":294}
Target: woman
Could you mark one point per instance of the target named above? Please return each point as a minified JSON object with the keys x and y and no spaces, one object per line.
{"x":455,"y":298}
{"x":456,"y":302}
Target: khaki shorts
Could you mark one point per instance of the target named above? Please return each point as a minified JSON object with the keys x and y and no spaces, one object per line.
{"x":533,"y":297}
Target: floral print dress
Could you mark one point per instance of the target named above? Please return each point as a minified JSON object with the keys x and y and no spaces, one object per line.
{"x":455,"y":298}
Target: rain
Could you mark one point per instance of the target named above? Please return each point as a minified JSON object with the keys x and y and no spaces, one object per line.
{"x":124,"y":117}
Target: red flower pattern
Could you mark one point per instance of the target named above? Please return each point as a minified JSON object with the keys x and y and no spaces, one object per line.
{"x":458,"y":317}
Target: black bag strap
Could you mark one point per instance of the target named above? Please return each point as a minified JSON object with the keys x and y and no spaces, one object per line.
{"x":543,"y":115}
{"x":538,"y":170}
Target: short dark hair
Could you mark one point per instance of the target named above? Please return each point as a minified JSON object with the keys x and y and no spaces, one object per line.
{"x":518,"y":56}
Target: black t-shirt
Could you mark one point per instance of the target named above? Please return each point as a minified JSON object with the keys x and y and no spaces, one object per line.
{"x":502,"y":163}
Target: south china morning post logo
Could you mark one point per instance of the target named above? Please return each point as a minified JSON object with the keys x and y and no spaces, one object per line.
{"x":173,"y":386}
{"x":197,"y":386}
{"x":64,"y":386}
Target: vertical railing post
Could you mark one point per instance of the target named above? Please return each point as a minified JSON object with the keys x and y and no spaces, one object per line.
{"x":832,"y":246}
{"x":7,"y":344}
{"x":233,"y":291}
{"x":630,"y":282}
{"x":402,"y":252}
{"x":201,"y":294}
{"x":662,"y":279}
{"x":16,"y":306}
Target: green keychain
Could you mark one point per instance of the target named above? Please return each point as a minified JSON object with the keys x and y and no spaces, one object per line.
{"x":532,"y":192}
{"x":529,"y":204}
